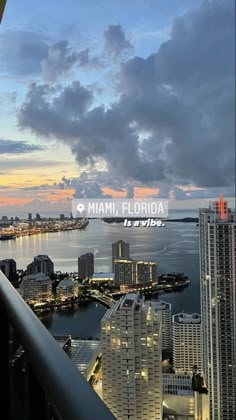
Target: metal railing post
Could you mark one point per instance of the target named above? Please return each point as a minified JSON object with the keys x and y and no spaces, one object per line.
{"x":36,"y":404}
{"x":4,"y":362}
{"x":68,"y":392}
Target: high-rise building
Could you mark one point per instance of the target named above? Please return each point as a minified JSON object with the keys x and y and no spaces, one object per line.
{"x":128,"y":272}
{"x":86,"y":266}
{"x":36,"y":288}
{"x":38,"y":217}
{"x":131,"y":359}
{"x":166,"y":323}
{"x":187,"y":343}
{"x":41,"y":264}
{"x":120,"y":249}
{"x":146,"y":272}
{"x":178,"y":396}
{"x":218,"y":307}
{"x":8,"y":267}
{"x":124,"y":272}
{"x":30,"y":217}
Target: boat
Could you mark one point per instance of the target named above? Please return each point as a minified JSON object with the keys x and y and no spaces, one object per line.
{"x":6,"y":236}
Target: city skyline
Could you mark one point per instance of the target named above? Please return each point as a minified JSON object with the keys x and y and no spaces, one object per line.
{"x":84,"y":92}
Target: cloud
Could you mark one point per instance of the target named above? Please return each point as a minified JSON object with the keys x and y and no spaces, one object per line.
{"x":60,"y":59}
{"x":86,"y":60}
{"x":42,"y":187}
{"x":66,"y":107}
{"x":115,"y":40}
{"x":29,"y":53}
{"x":21,"y":52}
{"x":173,"y":121}
{"x":87,"y":185}
{"x":17,"y":147}
{"x":14,"y":164}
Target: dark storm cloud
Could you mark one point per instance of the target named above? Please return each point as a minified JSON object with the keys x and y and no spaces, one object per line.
{"x":86,"y":185}
{"x":174,"y":121}
{"x":115,"y":40}
{"x":17,"y":147}
{"x":58,"y":118}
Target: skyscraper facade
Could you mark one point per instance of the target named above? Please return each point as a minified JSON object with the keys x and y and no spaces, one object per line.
{"x":41,"y":264}
{"x":8,"y":267}
{"x":166,"y":324}
{"x":124,"y":272}
{"x":131,"y":361}
{"x":86,"y":266}
{"x":187,"y":343}
{"x":146,"y":272}
{"x":120,"y":249}
{"x":218,"y":307}
{"x":128,"y":272}
{"x":36,"y":288}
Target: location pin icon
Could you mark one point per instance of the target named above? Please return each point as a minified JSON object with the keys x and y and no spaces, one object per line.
{"x":80,"y":208}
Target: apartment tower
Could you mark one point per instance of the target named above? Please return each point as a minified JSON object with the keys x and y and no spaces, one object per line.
{"x":218,"y":307}
{"x":131,"y":359}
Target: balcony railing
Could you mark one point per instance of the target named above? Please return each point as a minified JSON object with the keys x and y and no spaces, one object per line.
{"x":2,"y":7}
{"x":53,"y":388}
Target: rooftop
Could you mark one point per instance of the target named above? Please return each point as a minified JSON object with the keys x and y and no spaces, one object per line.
{"x":66,"y":282}
{"x":37,"y":276}
{"x":82,"y":353}
{"x":41,"y":257}
{"x":129,"y":300}
{"x":184,"y":318}
{"x":62,"y":340}
{"x":161,"y":305}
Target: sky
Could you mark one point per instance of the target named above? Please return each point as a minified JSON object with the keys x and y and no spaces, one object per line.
{"x":115,"y":98}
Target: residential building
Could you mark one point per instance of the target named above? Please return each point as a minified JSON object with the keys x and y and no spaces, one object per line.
{"x":41,"y":264}
{"x":86,"y":266}
{"x":166,"y":324}
{"x":177,"y":384}
{"x":124,"y":272}
{"x":103,"y":278}
{"x":8,"y":267}
{"x":131,"y":359}
{"x":146,"y":272}
{"x":187,"y":342}
{"x":180,"y":401}
{"x":128,"y":272}
{"x":218,"y":307}
{"x":36,"y":288}
{"x":67,"y":289}
{"x":120,"y":249}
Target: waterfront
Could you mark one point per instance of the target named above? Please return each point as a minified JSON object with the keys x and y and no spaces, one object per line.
{"x":174,"y":247}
